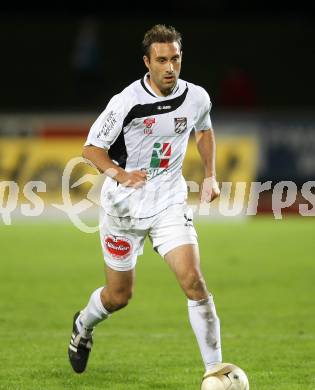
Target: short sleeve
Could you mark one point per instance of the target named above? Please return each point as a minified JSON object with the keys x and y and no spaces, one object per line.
{"x":203,"y":121}
{"x":108,"y":125}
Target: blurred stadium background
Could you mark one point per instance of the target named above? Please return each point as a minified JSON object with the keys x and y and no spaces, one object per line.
{"x":59,"y":67}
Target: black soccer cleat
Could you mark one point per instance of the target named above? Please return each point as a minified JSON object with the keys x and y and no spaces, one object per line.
{"x":79,"y":348}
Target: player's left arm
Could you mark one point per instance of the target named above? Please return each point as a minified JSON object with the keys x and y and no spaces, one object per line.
{"x":206,"y":146}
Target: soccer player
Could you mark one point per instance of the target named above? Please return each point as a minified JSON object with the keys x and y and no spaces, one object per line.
{"x":139,"y":141}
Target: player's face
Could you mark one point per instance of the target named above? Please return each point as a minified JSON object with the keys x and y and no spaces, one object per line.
{"x":164,"y":66}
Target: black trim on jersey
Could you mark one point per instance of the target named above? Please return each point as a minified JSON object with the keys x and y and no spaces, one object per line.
{"x":118,"y":150}
{"x":158,"y":108}
{"x":146,"y":89}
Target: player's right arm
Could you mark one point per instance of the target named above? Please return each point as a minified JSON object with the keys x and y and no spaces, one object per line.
{"x":103,"y":133}
{"x":99,"y":157}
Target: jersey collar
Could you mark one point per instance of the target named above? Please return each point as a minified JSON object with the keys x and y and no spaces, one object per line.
{"x":146,"y":86}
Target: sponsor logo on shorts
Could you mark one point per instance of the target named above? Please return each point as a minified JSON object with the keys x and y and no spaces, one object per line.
{"x":118,"y":247}
{"x":188,"y":219}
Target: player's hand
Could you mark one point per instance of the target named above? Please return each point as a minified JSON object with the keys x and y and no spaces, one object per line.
{"x":210,"y":189}
{"x":134,"y":179}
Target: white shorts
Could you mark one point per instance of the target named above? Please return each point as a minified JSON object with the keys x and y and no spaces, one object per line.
{"x":122,"y":239}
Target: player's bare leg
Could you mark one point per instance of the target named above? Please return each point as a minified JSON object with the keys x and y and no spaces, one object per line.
{"x":103,"y":302}
{"x":119,"y":289}
{"x":185,"y":263}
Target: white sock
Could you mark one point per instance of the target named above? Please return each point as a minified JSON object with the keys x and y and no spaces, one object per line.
{"x":206,"y":326}
{"x":92,"y":314}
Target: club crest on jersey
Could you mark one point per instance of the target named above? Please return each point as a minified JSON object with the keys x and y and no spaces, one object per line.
{"x":180,"y":125}
{"x":148,"y":122}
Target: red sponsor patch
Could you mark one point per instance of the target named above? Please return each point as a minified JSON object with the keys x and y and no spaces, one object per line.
{"x":118,"y":247}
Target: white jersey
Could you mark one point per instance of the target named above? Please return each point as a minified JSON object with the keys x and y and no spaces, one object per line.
{"x":143,"y":131}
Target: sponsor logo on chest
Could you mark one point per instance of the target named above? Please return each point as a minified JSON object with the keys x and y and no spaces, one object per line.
{"x":161,"y":155}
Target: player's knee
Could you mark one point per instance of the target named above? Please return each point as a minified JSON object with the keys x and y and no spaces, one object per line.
{"x":195,"y":287}
{"x":120,"y":299}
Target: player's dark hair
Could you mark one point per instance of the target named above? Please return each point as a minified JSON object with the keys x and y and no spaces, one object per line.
{"x":161,"y":34}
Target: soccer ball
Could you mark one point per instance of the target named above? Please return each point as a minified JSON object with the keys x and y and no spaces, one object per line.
{"x":225,"y":376}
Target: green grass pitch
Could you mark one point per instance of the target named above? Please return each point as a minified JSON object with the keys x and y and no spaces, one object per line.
{"x":261,"y":272}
